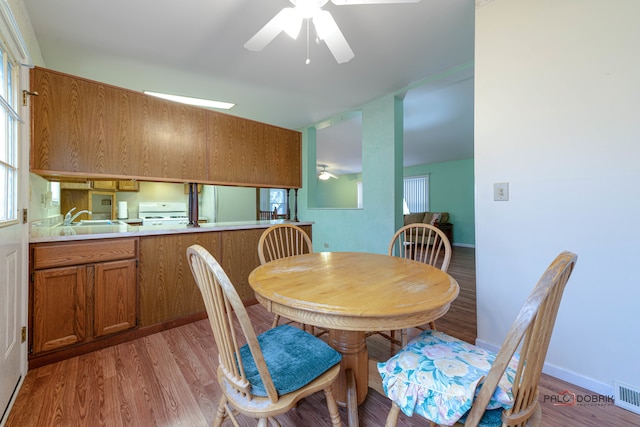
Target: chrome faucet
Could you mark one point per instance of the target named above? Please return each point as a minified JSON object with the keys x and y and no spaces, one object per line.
{"x":68,"y":219}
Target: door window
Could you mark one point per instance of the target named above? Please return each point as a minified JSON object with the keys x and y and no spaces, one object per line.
{"x":8,"y":143}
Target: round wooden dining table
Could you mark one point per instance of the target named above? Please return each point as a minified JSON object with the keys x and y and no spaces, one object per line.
{"x":351,"y":293}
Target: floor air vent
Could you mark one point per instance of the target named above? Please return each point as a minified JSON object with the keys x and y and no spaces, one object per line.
{"x":627,"y":397}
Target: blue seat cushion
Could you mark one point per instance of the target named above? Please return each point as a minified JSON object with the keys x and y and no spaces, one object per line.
{"x":294,"y":358}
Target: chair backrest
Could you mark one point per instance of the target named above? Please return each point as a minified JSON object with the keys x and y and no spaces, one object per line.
{"x":226,"y":311}
{"x":282,"y":216}
{"x":282,"y":241}
{"x":422,"y":242}
{"x":265,"y":215}
{"x":532,"y":328}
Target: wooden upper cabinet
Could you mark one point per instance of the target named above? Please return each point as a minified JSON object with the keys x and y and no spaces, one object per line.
{"x":94,"y":130}
{"x":245,"y":152}
{"x":174,"y":144}
{"x":79,"y":126}
{"x":82,"y":127}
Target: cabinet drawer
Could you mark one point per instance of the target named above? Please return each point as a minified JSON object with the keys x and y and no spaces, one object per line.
{"x":77,"y":253}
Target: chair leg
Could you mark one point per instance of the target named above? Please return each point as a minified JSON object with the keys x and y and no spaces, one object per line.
{"x":221,"y":413}
{"x":405,"y":332}
{"x":404,"y":337}
{"x":392,"y":418}
{"x":332,"y":406}
{"x":276,"y":319}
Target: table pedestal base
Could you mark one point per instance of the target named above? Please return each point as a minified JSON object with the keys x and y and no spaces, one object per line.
{"x":352,"y":384}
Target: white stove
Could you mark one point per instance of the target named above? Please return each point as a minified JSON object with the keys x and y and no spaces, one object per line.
{"x":163,"y":213}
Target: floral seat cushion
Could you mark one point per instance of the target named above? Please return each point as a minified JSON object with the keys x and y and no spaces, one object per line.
{"x":437,"y":376}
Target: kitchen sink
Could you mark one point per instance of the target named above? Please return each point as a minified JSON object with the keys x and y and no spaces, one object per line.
{"x":94,"y":222}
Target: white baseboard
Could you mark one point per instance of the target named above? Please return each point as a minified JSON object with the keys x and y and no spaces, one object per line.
{"x":565,"y":375}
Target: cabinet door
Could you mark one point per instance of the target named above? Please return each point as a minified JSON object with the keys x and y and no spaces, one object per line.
{"x":167,"y":288}
{"x":250,"y":153}
{"x":83,"y":127}
{"x":174,"y":141}
{"x":115,"y":296}
{"x":59,"y":300}
{"x":240,"y":257}
{"x":104,"y":185}
{"x":131,"y":185}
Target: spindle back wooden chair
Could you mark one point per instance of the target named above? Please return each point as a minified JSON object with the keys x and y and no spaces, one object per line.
{"x":283,"y":241}
{"x":424,"y":243}
{"x":265,"y":215}
{"x":255,"y":379}
{"x":530,"y":333}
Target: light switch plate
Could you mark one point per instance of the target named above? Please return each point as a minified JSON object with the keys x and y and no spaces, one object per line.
{"x":501,"y":191}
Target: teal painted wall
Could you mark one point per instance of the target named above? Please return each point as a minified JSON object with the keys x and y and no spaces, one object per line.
{"x":369,"y":229}
{"x":338,"y":193}
{"x":451,"y":189}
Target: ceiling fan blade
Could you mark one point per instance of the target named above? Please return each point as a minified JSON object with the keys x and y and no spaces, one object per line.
{"x":287,"y":20}
{"x":328,"y":31}
{"x":352,"y":2}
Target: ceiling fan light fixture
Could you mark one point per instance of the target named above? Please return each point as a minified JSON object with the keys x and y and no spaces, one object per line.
{"x":198,"y":102}
{"x":324,"y":175}
{"x":289,"y":20}
{"x":308,"y":8}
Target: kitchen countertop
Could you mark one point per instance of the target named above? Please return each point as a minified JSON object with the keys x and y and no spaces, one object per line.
{"x":61,"y":233}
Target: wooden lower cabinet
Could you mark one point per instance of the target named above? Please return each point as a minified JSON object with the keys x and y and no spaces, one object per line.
{"x":115,"y":299}
{"x":59,"y":308}
{"x":239,"y":258}
{"x":88,"y":294}
{"x":167,"y":288}
{"x":81,"y":291}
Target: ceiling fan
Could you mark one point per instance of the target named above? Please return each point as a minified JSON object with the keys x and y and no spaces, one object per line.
{"x":290,"y":21}
{"x":324,"y":175}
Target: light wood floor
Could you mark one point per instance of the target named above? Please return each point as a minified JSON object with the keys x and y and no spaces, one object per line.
{"x":167,"y":379}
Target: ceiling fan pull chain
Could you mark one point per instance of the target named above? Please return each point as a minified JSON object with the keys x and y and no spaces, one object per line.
{"x":308,"y":60}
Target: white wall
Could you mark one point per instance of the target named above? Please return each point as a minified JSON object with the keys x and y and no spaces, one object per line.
{"x":26,"y":30}
{"x":557,"y":116}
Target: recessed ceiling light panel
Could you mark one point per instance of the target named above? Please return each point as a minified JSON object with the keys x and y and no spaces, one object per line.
{"x":192,"y":101}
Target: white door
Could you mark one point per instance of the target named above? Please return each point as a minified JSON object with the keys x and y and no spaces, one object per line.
{"x":14,"y":198}
{"x":11,"y":304}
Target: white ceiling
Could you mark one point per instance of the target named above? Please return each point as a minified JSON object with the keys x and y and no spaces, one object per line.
{"x":195,"y":48}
